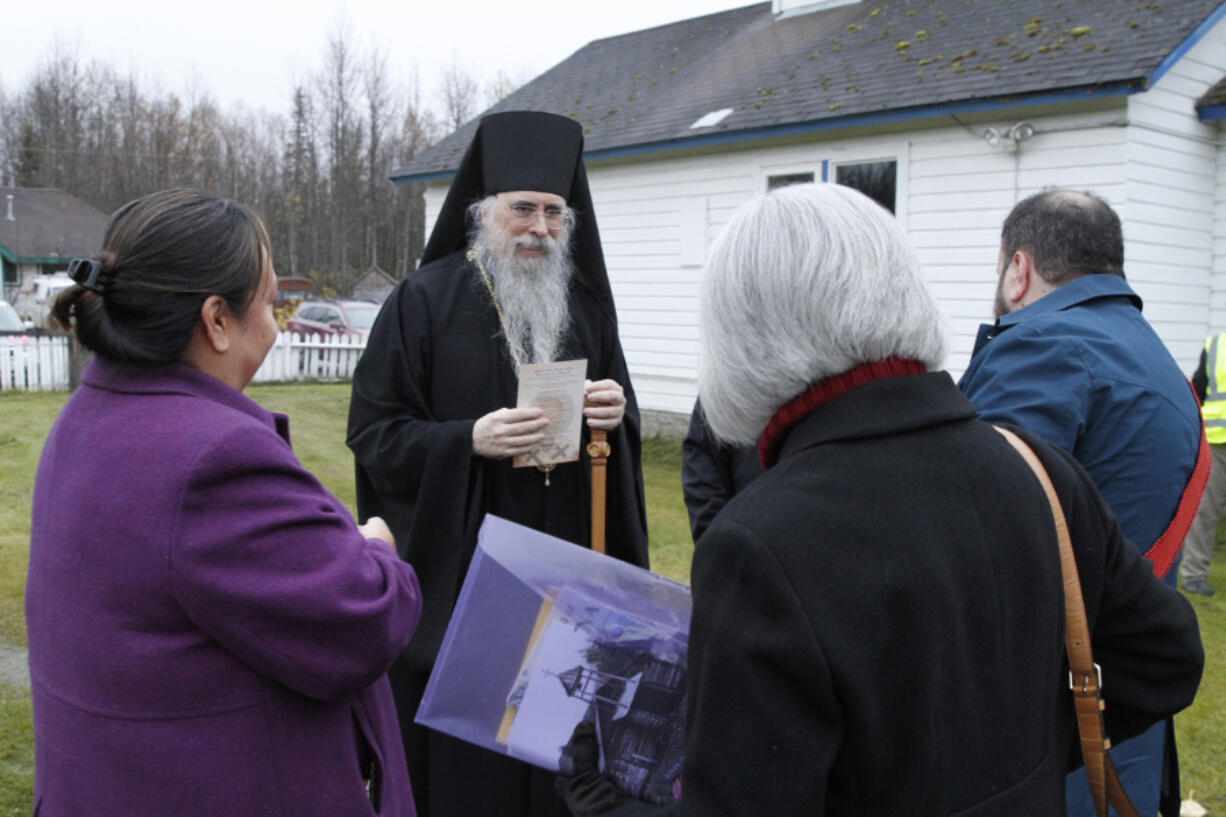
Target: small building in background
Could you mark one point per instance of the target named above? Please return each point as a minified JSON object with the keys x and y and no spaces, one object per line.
{"x":373,"y":285}
{"x":41,"y":230}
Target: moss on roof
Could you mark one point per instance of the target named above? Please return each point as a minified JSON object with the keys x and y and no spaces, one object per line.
{"x":650,"y":86}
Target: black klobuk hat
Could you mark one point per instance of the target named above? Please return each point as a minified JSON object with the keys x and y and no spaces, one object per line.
{"x":526,"y":150}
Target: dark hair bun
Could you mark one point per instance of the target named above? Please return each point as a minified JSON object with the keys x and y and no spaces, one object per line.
{"x":73,"y":306}
{"x":163,"y":255}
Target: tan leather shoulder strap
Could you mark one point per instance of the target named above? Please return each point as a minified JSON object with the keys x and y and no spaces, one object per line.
{"x":1085,"y":677}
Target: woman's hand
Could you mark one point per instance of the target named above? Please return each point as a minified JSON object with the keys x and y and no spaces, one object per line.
{"x":376,"y":528}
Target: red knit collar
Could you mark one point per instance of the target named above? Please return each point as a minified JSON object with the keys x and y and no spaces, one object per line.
{"x":822,"y":392}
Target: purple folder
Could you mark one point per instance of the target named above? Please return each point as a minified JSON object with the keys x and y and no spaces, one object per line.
{"x":546,"y":634}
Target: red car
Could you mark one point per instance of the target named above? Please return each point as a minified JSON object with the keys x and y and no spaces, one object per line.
{"x":353,"y":318}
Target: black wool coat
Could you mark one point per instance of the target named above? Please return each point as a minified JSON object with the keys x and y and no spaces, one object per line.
{"x":712,"y":472}
{"x":878,"y":622}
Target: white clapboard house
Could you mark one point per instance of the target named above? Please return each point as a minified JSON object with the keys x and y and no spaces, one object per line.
{"x":41,"y":230}
{"x":949,"y":111}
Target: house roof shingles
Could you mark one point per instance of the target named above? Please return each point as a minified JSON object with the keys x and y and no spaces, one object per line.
{"x":48,"y":226}
{"x":876,"y":56}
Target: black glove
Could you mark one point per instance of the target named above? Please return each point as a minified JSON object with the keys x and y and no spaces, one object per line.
{"x":585,"y":790}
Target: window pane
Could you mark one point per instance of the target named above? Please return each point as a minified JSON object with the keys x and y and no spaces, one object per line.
{"x":877,"y":180}
{"x":785,"y":179}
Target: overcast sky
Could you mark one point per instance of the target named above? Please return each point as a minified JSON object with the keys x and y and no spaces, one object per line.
{"x":251,"y":51}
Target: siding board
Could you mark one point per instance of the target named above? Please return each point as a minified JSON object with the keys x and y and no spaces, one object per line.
{"x":1170,"y":232}
{"x":923,"y":165}
{"x":1145,"y":244}
{"x":1193,"y":68}
{"x":961,"y":200}
{"x":957,"y":220}
{"x":1175,"y":199}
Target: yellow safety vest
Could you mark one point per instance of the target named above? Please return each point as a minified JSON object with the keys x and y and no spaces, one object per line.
{"x":1213,"y":410}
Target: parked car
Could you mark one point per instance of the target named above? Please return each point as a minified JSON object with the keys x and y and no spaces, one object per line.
{"x":21,"y":366}
{"x":350,"y":318}
{"x":9,"y":322}
{"x":37,"y":294}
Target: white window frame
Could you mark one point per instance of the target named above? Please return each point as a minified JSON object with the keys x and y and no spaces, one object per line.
{"x":828,"y":156}
{"x":900,"y":176}
{"x":765,"y":172}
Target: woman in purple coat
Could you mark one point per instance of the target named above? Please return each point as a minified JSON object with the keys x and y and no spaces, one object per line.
{"x":208,"y":628}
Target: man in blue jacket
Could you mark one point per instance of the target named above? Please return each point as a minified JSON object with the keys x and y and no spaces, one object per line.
{"x":1071,"y":358}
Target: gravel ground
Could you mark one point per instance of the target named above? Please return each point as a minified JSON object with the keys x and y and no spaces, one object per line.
{"x":13,"y":669}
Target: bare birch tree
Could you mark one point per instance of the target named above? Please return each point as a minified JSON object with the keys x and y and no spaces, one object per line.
{"x":379,"y":116}
{"x":338,"y":84}
{"x":499,"y":87}
{"x":458,"y":92}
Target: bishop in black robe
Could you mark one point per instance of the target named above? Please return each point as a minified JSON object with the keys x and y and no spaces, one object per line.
{"x":435,"y":362}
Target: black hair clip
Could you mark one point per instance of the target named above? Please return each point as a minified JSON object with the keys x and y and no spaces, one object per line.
{"x":87,"y":272}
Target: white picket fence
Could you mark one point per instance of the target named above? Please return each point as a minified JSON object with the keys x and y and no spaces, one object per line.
{"x":310,"y":357}
{"x":32,"y":363}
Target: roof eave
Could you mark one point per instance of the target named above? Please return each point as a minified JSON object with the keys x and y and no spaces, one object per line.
{"x":1121,"y":88}
{"x":431,"y":176}
{"x":1184,"y":47}
{"x":14,"y":258}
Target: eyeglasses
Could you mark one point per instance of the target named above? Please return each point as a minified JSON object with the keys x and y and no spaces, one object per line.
{"x":525,"y":214}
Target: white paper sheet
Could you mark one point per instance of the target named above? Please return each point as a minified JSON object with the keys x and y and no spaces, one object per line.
{"x":558,"y":389}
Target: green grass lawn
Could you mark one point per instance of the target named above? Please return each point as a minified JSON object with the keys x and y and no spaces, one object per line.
{"x":24,"y":422}
{"x":1201,"y":728}
{"x":317,"y":420}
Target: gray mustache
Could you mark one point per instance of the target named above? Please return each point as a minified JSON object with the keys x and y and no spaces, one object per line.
{"x":534,"y":242}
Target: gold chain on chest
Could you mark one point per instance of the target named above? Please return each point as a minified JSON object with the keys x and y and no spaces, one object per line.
{"x":472,"y":256}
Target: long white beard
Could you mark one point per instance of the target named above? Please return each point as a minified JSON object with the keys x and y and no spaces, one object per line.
{"x":532,"y":292}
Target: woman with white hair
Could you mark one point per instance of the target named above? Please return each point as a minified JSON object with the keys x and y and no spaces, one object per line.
{"x":878,"y":619}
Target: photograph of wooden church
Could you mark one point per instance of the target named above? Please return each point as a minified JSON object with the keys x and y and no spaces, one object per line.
{"x":637,"y":703}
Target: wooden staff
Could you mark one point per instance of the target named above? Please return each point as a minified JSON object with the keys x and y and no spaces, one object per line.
{"x":598,"y":449}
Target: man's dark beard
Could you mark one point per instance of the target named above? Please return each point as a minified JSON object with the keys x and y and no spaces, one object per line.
{"x":532,"y":291}
{"x":1000,"y":306}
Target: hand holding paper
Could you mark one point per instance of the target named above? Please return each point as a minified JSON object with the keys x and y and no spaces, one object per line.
{"x":509,"y":432}
{"x":557,"y":390}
